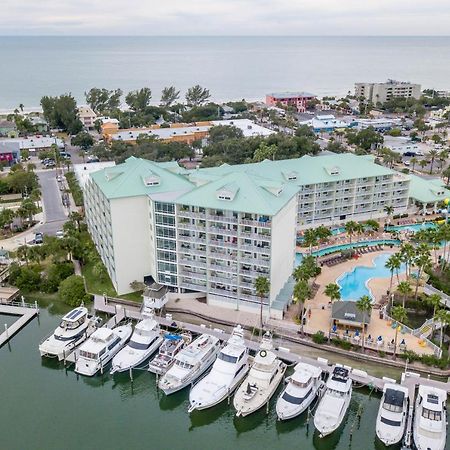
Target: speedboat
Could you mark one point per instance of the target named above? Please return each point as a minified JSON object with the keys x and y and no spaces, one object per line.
{"x":75,"y":327}
{"x":335,"y":401}
{"x":190,"y":364}
{"x":227,"y":372}
{"x":100,"y":348}
{"x":430,"y":421}
{"x":301,"y":389}
{"x":262,"y":381}
{"x":171,"y":346}
{"x":392,"y":414}
{"x":145,"y":340}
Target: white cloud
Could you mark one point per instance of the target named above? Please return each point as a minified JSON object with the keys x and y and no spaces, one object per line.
{"x":225,"y":17}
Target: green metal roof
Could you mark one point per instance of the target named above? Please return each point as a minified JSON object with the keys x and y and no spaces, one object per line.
{"x":427,"y":190}
{"x":129,"y":179}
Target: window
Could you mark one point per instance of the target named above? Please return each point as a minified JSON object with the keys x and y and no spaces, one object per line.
{"x":165,"y":220}
{"x":227,"y":358}
{"x":431,"y":415}
{"x":167,"y":208}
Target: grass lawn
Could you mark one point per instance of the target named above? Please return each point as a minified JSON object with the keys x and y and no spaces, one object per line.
{"x":96,"y":286}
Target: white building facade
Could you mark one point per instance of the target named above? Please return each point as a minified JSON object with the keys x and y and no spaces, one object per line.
{"x":383,"y":92}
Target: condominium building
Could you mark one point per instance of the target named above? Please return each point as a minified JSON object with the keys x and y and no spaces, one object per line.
{"x":216,"y":230}
{"x":298,"y":100}
{"x":87,"y":116}
{"x":383,"y":92}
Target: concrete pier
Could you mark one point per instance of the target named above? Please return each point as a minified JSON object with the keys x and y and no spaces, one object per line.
{"x":26,"y":312}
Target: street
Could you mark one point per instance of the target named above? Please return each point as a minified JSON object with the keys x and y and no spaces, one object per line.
{"x":54,"y":212}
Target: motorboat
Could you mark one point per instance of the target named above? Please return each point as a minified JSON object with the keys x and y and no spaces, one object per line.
{"x":334,"y":403}
{"x":301,"y":389}
{"x":145,"y":340}
{"x":190,"y":364}
{"x":392,"y":414}
{"x":75,"y":327}
{"x":262,"y":381}
{"x":171,"y":346}
{"x":430,"y":419}
{"x":100,"y":348}
{"x":227,"y":372}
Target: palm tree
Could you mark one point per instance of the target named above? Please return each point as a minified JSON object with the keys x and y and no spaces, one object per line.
{"x":351,"y":227}
{"x":364,"y":305}
{"x":413,"y":162}
{"x":393,"y":264}
{"x":423,"y":163}
{"x":333,"y":291}
{"x":372,"y":226}
{"x":404,"y":289}
{"x":300,"y":294}
{"x":423,"y":262}
{"x":398,"y":313}
{"x":407,"y":255}
{"x":262,"y":286}
{"x":432,"y":154}
{"x":443,"y":235}
{"x":442,"y":316}
{"x":389,"y":210}
{"x":23,"y":253}
{"x":310,"y":238}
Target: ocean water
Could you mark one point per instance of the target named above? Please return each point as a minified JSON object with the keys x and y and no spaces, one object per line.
{"x":231,"y":67}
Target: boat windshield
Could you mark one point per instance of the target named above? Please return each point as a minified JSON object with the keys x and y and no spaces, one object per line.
{"x":295,"y":400}
{"x":88,"y":355}
{"x":227,"y":358}
{"x":392,"y":423}
{"x":139,"y":345}
{"x":431,"y":415}
{"x":184,"y":364}
{"x":69,"y":325}
{"x":392,"y":408}
{"x":300,"y":383}
{"x":335,"y":393}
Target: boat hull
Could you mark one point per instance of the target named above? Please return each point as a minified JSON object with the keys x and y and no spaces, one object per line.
{"x":291,"y":412}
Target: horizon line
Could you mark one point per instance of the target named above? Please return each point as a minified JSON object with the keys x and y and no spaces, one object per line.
{"x":234,"y":35}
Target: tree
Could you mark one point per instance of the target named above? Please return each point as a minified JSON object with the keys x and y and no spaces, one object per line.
{"x":262,"y":286}
{"x":83,"y":140}
{"x":103,"y":100}
{"x":398,"y":313}
{"x":407,"y":255}
{"x":23,"y":253}
{"x":220,"y":133}
{"x":265,"y":151}
{"x":61,"y":112}
{"x":27,"y":210}
{"x":71,"y":291}
{"x":423,"y":262}
{"x":446,"y":174}
{"x":6,"y":217}
{"x":434,"y":301}
{"x":99,"y":271}
{"x":393,"y":264}
{"x":443,"y":317}
{"x":301,"y":293}
{"x":139,"y":100}
{"x":404,"y":289}
{"x":433,"y":154}
{"x":168,"y":96}
{"x":372,"y":225}
{"x":423,"y":163}
{"x":351,"y":227}
{"x":413,"y":162}
{"x":364,"y":305}
{"x":333,"y":291}
{"x":310,"y":238}
{"x":196,"y":95}
{"x":389,"y":210}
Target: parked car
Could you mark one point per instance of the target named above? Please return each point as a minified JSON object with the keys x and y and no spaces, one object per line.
{"x":410,"y":154}
{"x":65,"y":155}
{"x":406,"y":163}
{"x":38,"y":238}
{"x":60,"y":234}
{"x":59,"y":178}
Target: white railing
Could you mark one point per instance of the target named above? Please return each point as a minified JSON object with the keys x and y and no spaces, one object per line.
{"x":222,"y":219}
{"x":256,"y":223}
{"x":19,"y":304}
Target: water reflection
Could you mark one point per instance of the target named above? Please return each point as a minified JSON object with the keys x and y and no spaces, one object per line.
{"x":210,"y":415}
{"x":173,"y":401}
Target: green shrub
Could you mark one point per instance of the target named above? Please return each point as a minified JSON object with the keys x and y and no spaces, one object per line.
{"x":55,"y":274}
{"x":346,"y":345}
{"x":319,"y":337}
{"x":28,"y":280}
{"x":71,"y":291}
{"x":75,"y":189}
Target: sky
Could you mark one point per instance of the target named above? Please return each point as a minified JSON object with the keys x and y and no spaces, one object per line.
{"x":225,"y":17}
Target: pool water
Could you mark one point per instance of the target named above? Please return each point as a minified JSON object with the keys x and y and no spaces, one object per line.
{"x":412,"y":227}
{"x":353,"y":284}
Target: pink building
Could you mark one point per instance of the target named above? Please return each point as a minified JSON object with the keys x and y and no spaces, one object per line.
{"x":296,"y":99}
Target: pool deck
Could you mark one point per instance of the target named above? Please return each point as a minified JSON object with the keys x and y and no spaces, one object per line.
{"x":321,"y":309}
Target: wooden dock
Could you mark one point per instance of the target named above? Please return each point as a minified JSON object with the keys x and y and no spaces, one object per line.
{"x":26,"y":312}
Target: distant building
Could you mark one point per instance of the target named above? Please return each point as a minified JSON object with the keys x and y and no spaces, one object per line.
{"x":35,"y":143}
{"x":380,"y":124}
{"x":298,"y":100}
{"x":9,"y":152}
{"x":383,"y":92}
{"x":443,"y":94}
{"x":83,"y":171}
{"x":400,"y":144}
{"x":40,"y":125}
{"x":8,"y":128}
{"x":87,"y":116}
{"x":326,"y":123}
{"x":180,"y":132}
{"x":346,"y":314}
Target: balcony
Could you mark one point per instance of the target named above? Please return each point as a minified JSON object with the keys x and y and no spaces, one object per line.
{"x":258,"y":236}
{"x":192,"y":286}
{"x":193,"y":275}
{"x":223,"y":219}
{"x":252,"y":261}
{"x":190,"y":227}
{"x":253,"y":299}
{"x":220,"y":268}
{"x":246,"y":284}
{"x":221,"y":244}
{"x":222,"y":231}
{"x":223,"y":280}
{"x":225,"y":256}
{"x":255,"y":248}
{"x":255,"y":273}
{"x":193,"y":239}
{"x":255,"y":223}
{"x":190,"y":214}
{"x":223,"y":292}
{"x":192,"y":262}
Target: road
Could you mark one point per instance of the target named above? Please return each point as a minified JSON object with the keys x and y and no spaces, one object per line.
{"x":54,"y":212}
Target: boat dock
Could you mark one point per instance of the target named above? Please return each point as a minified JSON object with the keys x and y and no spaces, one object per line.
{"x":26,"y":311}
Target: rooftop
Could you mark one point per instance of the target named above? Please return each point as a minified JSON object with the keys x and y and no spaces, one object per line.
{"x":426,"y":190}
{"x":291,"y":94}
{"x":348,"y":311}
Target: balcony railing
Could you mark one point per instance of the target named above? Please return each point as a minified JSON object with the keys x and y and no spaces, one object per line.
{"x":223,"y":280}
{"x":192,"y":262}
{"x":224,"y":219}
{"x":191,"y":239}
{"x":225,"y":256}
{"x":193,"y":287}
{"x":256,"y":223}
{"x":220,"y":244}
{"x":222,"y":231}
{"x":220,"y":268}
{"x":255,"y":248}
{"x":223,"y":292}
{"x":190,"y":226}
{"x":252,"y":261}
{"x":258,"y":236}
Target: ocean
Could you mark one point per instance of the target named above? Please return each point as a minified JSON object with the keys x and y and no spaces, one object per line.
{"x":231,"y":67}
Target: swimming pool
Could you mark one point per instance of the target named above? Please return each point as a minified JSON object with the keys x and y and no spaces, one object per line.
{"x":338,"y":248}
{"x":354,"y":284}
{"x":412,"y":227}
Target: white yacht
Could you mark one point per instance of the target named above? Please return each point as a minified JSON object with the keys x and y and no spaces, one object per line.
{"x":228,"y":370}
{"x":100,"y":348}
{"x":301,"y":389}
{"x":262,"y":381}
{"x":392,"y":414}
{"x":74,"y":328}
{"x":171,"y":346}
{"x":430,"y":419}
{"x":145,"y":340}
{"x":334,"y":403}
{"x":190,"y":364}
